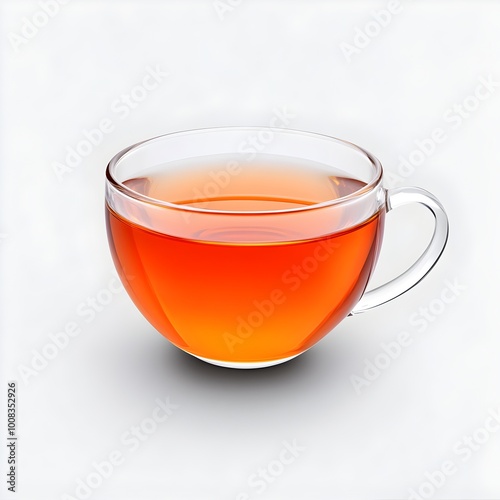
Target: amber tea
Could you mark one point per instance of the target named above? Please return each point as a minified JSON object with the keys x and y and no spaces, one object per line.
{"x":244,"y":294}
{"x":244,"y":246}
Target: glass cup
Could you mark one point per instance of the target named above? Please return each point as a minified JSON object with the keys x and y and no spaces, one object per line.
{"x":244,"y":246}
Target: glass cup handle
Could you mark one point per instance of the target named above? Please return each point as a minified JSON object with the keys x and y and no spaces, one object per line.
{"x":396,"y":287}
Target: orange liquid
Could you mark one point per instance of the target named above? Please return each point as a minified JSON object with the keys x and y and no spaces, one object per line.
{"x":240,"y":301}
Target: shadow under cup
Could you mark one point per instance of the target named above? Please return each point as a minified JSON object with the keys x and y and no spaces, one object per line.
{"x":245,"y":246}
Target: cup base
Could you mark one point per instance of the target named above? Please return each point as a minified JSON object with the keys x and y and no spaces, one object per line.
{"x":245,"y":365}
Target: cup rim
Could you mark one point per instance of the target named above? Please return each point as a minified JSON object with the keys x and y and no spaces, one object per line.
{"x":127,"y":191}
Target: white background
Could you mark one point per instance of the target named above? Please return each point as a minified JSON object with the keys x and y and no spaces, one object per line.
{"x":262,"y":55}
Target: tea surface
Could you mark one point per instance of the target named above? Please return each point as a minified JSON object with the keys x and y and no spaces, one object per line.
{"x":246,"y":298}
